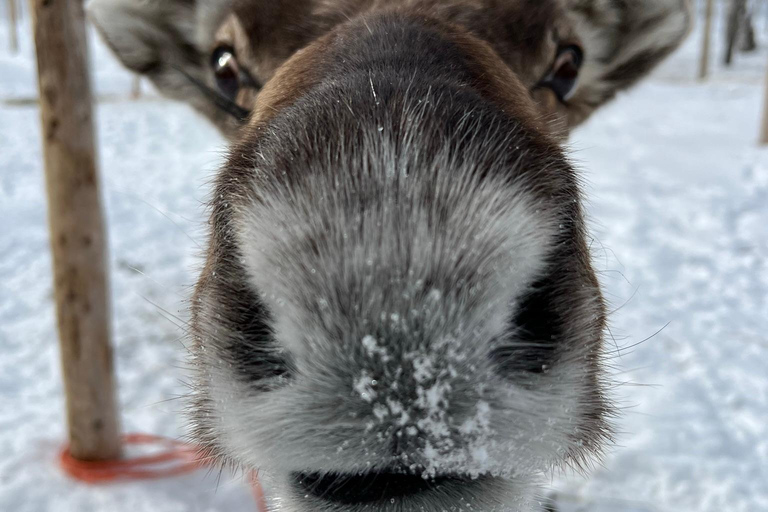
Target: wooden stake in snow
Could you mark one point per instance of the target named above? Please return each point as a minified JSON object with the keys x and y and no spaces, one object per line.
{"x":12,"y":28}
{"x":76,"y":228}
{"x":136,"y":87}
{"x":735,"y":25}
{"x":764,"y":128}
{"x":704,"y":59}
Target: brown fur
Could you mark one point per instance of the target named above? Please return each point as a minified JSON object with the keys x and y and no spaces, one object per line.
{"x":398,"y":147}
{"x":523,"y":34}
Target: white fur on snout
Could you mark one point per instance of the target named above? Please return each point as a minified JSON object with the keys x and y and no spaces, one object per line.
{"x":494,"y":229}
{"x":334,"y":416}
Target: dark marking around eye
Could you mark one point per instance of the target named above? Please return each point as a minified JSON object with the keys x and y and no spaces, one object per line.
{"x":219,"y":100}
{"x":635,"y":68}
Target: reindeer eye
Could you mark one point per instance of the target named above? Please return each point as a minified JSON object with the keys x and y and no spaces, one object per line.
{"x":565,"y":72}
{"x":226,"y":71}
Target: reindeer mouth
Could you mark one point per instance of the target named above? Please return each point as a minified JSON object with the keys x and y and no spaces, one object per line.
{"x":373,"y":487}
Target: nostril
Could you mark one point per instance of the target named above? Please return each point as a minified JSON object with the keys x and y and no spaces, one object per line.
{"x":537,"y":326}
{"x":350,"y":489}
{"x":249,"y":347}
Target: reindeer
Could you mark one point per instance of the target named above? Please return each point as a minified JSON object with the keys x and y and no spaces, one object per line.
{"x":398,"y":310}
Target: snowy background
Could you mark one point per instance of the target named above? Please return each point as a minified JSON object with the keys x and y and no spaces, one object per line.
{"x":677,"y":194}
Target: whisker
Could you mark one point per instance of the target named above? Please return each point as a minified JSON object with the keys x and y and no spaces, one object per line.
{"x":144,"y":274}
{"x":648,"y":338}
{"x":615,"y":343}
{"x":161,"y":212}
{"x":222,"y":102}
{"x":183,"y":324}
{"x":625,"y":302}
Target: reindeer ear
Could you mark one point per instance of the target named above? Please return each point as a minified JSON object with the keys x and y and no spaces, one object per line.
{"x":623,"y":41}
{"x":167,"y":41}
{"x":148,"y":36}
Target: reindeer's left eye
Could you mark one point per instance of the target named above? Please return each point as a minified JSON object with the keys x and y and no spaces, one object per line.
{"x":226,"y":71}
{"x":565,"y":72}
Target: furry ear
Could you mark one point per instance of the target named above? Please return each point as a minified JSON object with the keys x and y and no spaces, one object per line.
{"x":148,"y":36}
{"x":167,"y":41}
{"x":623,"y":41}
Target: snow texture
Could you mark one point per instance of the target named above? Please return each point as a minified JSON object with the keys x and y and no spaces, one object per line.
{"x":677,"y":195}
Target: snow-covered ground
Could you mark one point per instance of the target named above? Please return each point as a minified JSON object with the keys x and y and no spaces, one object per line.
{"x":678,"y":200}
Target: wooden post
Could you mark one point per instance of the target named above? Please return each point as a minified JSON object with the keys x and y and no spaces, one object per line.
{"x":734,"y":25}
{"x":705,"y":38}
{"x":765,"y":8}
{"x":764,"y":127}
{"x":136,"y":87}
{"x":77,"y":230}
{"x":12,"y":27}
{"x":748,"y":41}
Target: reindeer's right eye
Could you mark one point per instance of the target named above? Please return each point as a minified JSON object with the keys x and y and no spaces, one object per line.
{"x":226,"y":71}
{"x":564,"y":75}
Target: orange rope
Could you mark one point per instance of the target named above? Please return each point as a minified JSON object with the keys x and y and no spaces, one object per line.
{"x":177,"y":458}
{"x":258,"y":493}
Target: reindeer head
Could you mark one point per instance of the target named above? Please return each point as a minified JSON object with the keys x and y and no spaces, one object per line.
{"x":398,"y":310}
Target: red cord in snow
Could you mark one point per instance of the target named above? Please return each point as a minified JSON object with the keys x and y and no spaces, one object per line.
{"x":175,"y":459}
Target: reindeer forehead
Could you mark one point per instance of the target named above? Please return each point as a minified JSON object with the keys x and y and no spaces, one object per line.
{"x":522,"y":32}
{"x":172,"y":41}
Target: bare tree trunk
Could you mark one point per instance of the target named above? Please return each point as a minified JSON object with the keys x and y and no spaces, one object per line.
{"x":764,"y":127}
{"x":12,"y":26}
{"x":136,"y":87}
{"x":705,"y":41}
{"x":748,"y":41}
{"x":76,"y":228}
{"x":765,"y":9}
{"x":736,"y":12}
